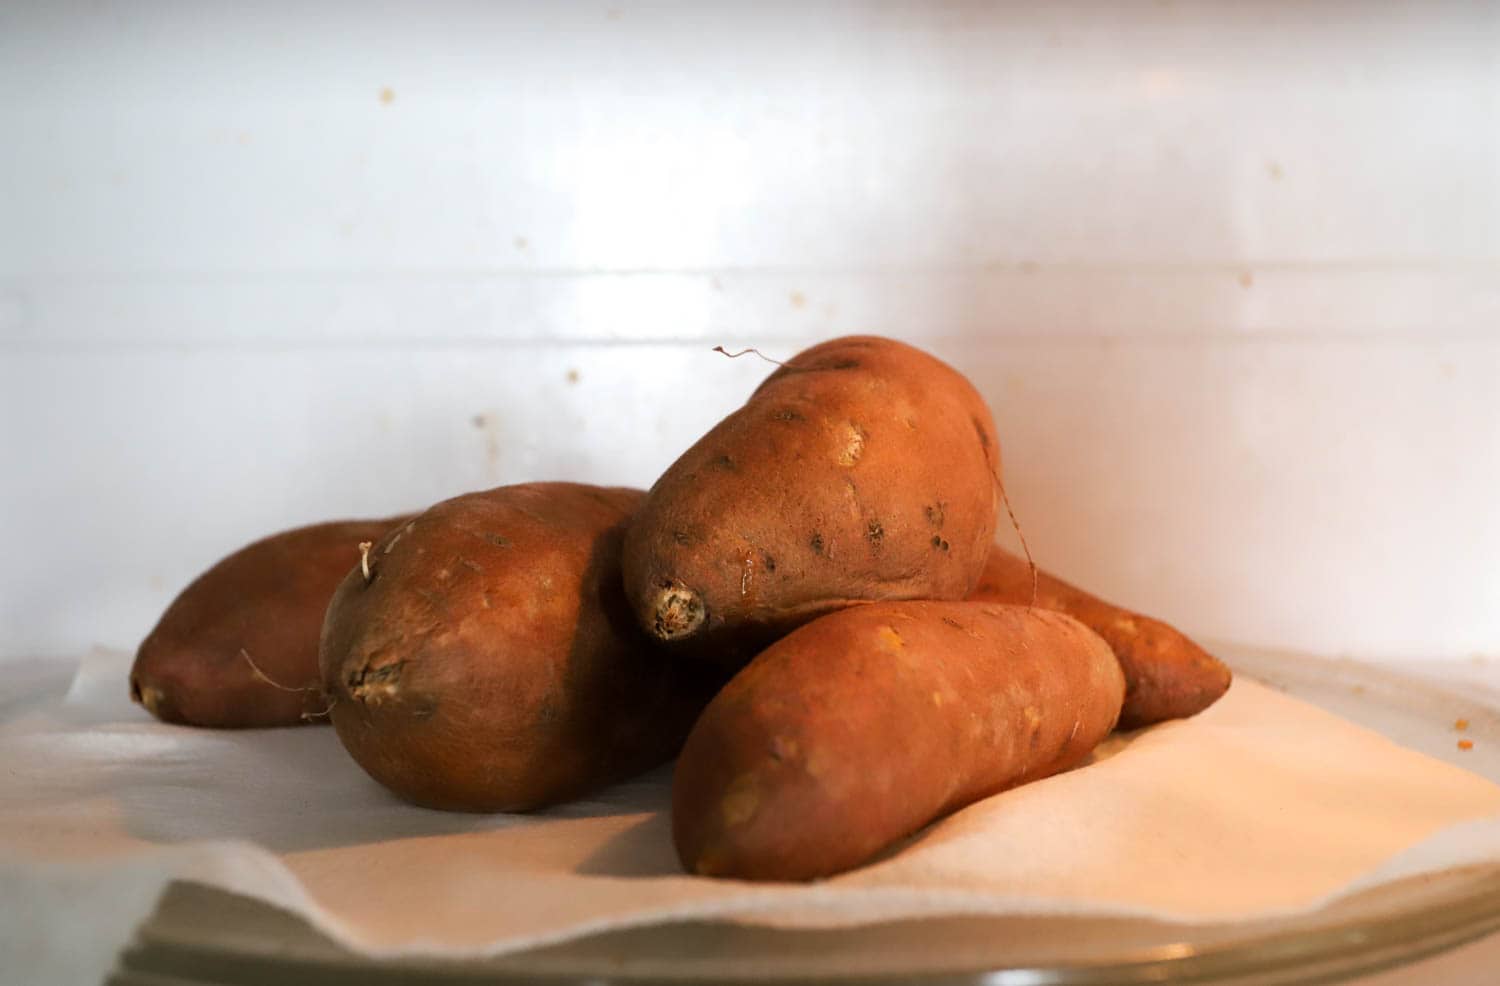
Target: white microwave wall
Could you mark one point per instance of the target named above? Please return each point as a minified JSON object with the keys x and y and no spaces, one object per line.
{"x":1228,"y":274}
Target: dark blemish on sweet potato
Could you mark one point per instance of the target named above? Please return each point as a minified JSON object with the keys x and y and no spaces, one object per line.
{"x":816,"y":543}
{"x":984,"y":438}
{"x":371,"y":685}
{"x":767,"y":562}
{"x":818,"y":366}
{"x":787,"y":414}
{"x":939,"y":543}
{"x":368,"y":675}
{"x":934,"y":512}
{"x":874,"y":532}
{"x":498,"y":540}
{"x":682,"y":537}
{"x":725,"y":462}
{"x":953,"y":623}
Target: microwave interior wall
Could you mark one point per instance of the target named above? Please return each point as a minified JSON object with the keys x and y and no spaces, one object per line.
{"x":1228,"y":275}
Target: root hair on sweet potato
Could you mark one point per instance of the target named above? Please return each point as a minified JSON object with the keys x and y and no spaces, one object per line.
{"x":262,"y":676}
{"x":1025,"y":548}
{"x":748,"y":350}
{"x":327,"y":710}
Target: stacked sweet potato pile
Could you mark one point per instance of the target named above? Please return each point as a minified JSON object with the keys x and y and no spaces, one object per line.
{"x":808,"y":610}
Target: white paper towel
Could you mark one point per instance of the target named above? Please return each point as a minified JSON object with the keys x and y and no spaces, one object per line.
{"x":1263,"y":805}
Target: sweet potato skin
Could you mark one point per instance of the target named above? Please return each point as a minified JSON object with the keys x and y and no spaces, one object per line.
{"x":863,"y":469}
{"x":859,"y":728}
{"x":1167,"y":676}
{"x":490,"y":663}
{"x":265,"y":600}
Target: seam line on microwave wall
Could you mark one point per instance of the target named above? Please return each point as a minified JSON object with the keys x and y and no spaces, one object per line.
{"x":1411,"y":337}
{"x":403,"y":273}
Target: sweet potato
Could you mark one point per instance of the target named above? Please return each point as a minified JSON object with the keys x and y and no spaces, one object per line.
{"x":1167,"y":676}
{"x":484,"y":659}
{"x":862,"y":726}
{"x":261,"y":607}
{"x":862,"y":469}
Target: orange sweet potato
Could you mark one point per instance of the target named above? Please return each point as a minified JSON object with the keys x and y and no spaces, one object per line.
{"x":865,"y":725}
{"x":261,"y":607}
{"x":1167,"y":676}
{"x":862,"y":469}
{"x":484,"y":659}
